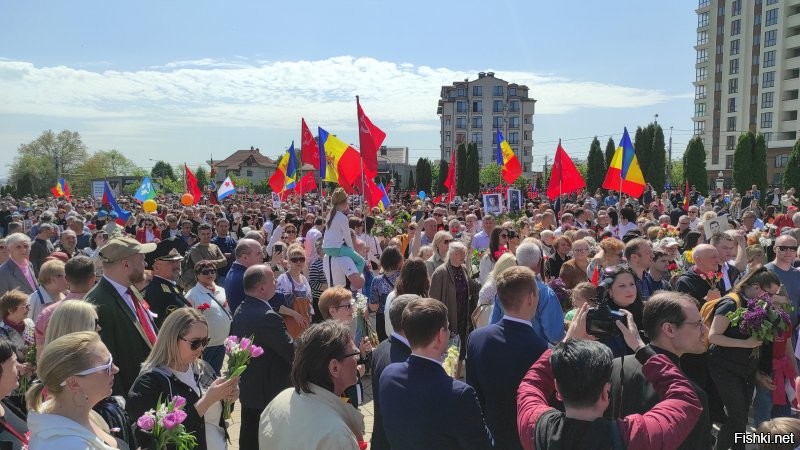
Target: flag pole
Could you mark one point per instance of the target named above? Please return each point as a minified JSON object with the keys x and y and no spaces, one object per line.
{"x":560,"y":179}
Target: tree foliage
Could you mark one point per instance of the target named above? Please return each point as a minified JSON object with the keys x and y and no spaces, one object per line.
{"x":597,"y":168}
{"x":643,"y":146}
{"x":411,"y":183}
{"x":461,"y":169}
{"x":424,"y":178}
{"x":759,"y":168}
{"x":202,"y":177}
{"x":791,"y":177}
{"x":694,"y":165}
{"x":656,"y":172}
{"x":162,"y":170}
{"x":611,"y":147}
{"x":743,"y":161}
{"x":472,"y":171}
{"x":101,"y":164}
{"x":490,"y":174}
{"x":441,"y":176}
{"x":39,"y":163}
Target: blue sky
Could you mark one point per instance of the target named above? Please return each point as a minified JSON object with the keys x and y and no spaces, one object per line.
{"x":181,"y":81}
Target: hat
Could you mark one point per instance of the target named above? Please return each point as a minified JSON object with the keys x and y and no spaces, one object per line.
{"x":60,"y":256}
{"x":113,"y":215}
{"x":339,"y":196}
{"x":631,"y":235}
{"x":669,"y":242}
{"x":122,"y":247}
{"x":102,"y":214}
{"x":164,"y":251}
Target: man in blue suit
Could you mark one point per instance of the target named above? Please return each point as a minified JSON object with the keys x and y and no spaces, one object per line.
{"x":392,"y":350}
{"x":499,"y":355}
{"x":422,"y":407}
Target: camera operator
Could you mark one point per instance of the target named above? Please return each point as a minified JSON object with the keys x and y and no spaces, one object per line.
{"x":615,"y":294}
{"x":675,"y":327}
{"x":580,"y":370}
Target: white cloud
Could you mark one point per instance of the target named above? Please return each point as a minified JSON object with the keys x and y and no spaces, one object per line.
{"x":275,"y":94}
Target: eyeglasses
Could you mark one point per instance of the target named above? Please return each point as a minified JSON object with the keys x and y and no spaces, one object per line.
{"x":786,"y":248}
{"x":194,"y":344}
{"x":291,"y":231}
{"x":692,"y":212}
{"x":108,"y":368}
{"x":698,"y":324}
{"x":349,"y":355}
{"x":683,"y":223}
{"x":298,"y":259}
{"x":438,"y":215}
{"x":447,"y":241}
{"x":208,"y":272}
{"x":504,"y":236}
{"x":345,"y":306}
{"x":580,"y":250}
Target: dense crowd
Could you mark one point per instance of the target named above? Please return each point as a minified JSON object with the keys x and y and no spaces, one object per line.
{"x":590,"y":321}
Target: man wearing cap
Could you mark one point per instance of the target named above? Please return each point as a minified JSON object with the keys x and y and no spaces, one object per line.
{"x":163,"y":294}
{"x":126,"y":326}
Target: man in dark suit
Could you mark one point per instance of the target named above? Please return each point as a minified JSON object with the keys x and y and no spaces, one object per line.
{"x":12,"y":275}
{"x":163,"y":294}
{"x":392,"y":350}
{"x":673,"y":323}
{"x":499,"y":355}
{"x":126,"y":326}
{"x":268,"y":374}
{"x":422,"y":407}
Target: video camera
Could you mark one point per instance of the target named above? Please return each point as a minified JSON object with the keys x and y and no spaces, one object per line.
{"x":601,"y":319}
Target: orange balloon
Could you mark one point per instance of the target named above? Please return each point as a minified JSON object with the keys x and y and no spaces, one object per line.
{"x":187,"y":199}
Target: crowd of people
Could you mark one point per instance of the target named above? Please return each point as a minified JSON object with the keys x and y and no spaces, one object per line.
{"x":595,"y":320}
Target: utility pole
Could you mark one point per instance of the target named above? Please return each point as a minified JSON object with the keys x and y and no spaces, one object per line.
{"x":544,"y":174}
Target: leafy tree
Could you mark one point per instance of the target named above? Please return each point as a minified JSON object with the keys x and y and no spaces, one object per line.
{"x":472,"y":171}
{"x":610,"y":149}
{"x":424,"y":179}
{"x":32,"y":175}
{"x":694,"y":165}
{"x":743,"y":161}
{"x":202,"y":177}
{"x":411,"y":183}
{"x":642,"y":147}
{"x":597,"y":168}
{"x":759,"y":169}
{"x":461,"y":169}
{"x":658,"y":160}
{"x":522,"y":184}
{"x":101,"y":164}
{"x":162,"y":170}
{"x":434,"y":179}
{"x":676,"y":176}
{"x":490,"y":174}
{"x":40,"y":162}
{"x":791,"y":177}
{"x":443,"y":169}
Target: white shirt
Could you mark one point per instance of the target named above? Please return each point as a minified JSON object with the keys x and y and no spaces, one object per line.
{"x":425,"y":357}
{"x":312,"y":237}
{"x":38,"y":301}
{"x":388,"y":323}
{"x":480,"y":241}
{"x":401,"y":339}
{"x":374,"y":247}
{"x":342,"y":267}
{"x":514,"y":319}
{"x":338,"y":233}
{"x":123,"y":292}
{"x":218,"y":315}
{"x":620,"y":230}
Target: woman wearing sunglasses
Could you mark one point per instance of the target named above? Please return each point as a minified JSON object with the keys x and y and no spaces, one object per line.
{"x":148,"y":232}
{"x":211,"y":297}
{"x":77,"y":370}
{"x":295,"y":303}
{"x":174,"y":368}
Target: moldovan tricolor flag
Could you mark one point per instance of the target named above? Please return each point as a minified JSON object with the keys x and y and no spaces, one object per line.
{"x":61,"y":189}
{"x":624,"y":173}
{"x":338,"y":162}
{"x":226,"y":189}
{"x":506,"y":159}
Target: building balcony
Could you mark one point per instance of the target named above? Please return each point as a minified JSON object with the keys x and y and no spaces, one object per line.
{"x":791,"y":84}
{"x":792,"y":21}
{"x":792,"y":41}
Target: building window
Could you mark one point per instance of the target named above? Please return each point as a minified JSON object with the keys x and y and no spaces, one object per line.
{"x":461,"y":92}
{"x":736,"y":27}
{"x":477,"y":122}
{"x":721,"y":30}
{"x":702,"y":55}
{"x":497,"y":91}
{"x":447,"y":151}
{"x":771,"y":18}
{"x":703,"y":3}
{"x":735,"y":47}
{"x":249,"y":173}
{"x":461,"y":106}
{"x":513,"y":122}
{"x":734,"y":66}
{"x":718,"y":68}
{"x":768,"y":136}
{"x":756,"y":39}
{"x":721,"y":10}
{"x":702,"y":37}
{"x":525,"y":151}
{"x":527,"y":118}
{"x":477,"y":106}
{"x":736,"y":7}
{"x":732,"y":123}
{"x":477,"y":91}
{"x":756,"y":60}
{"x":772,"y":2}
{"x":754,"y":99}
{"x":512,"y":91}
{"x":770,"y":38}
{"x":514,"y":106}
{"x":768,"y":80}
{"x":781,"y":160}
{"x":757,"y":20}
{"x":460,"y":138}
{"x":720,"y":47}
{"x":766,"y":120}
{"x":699,"y":127}
{"x":733,"y":85}
{"x":447,"y":136}
{"x":526,"y":135}
{"x":718,"y":86}
{"x":477,"y":138}
{"x":448,"y":120}
{"x":497,"y":106}
{"x":716,"y":123}
{"x":513,"y":137}
{"x":729,"y":158}
{"x":701,"y":73}
{"x":497,"y":122}
{"x":702,"y":19}
{"x":732,"y":104}
{"x":769,"y":58}
{"x":461,"y":122}
{"x":766,"y":99}
{"x":700,"y":92}
{"x":700,"y":109}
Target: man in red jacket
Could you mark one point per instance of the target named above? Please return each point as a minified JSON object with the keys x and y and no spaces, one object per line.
{"x":580,"y":371}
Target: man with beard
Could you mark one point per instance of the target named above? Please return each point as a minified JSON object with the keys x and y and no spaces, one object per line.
{"x":126,"y":327}
{"x":67,"y":243}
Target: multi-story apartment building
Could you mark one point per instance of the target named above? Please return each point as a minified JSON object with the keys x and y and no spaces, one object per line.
{"x":471,"y":111}
{"x":747,"y":78}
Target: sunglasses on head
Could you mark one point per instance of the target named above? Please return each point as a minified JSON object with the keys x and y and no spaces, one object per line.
{"x":208,"y":271}
{"x":194,"y":344}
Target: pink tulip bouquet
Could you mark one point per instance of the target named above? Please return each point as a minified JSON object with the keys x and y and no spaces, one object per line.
{"x":239,"y":353}
{"x":165,"y":424}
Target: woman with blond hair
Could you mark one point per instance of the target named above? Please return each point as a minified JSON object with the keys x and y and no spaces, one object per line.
{"x":174,"y":367}
{"x":488,"y":291}
{"x":71,"y":316}
{"x":441,"y":240}
{"x":52,"y":287}
{"x":78,"y":371}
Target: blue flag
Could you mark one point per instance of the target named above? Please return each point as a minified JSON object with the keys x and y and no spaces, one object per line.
{"x":108,"y":199}
{"x":145,"y":191}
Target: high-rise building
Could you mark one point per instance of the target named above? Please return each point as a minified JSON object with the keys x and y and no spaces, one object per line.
{"x":747,"y":78}
{"x":471,"y":111}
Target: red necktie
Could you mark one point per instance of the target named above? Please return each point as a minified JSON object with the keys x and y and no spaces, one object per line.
{"x":144,"y":320}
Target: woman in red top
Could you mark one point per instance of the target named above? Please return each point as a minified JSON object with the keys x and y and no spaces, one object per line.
{"x":147,"y":232}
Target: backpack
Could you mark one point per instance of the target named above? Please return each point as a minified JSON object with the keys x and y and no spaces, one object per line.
{"x":708,"y":308}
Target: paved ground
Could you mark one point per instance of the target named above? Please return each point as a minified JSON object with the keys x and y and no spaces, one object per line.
{"x":365,"y":409}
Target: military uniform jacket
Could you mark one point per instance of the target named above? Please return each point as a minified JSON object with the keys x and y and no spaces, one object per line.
{"x":164,"y":297}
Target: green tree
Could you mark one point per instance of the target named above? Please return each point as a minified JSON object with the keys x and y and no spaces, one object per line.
{"x":694,"y":165}
{"x":40,"y":162}
{"x":676,"y":176}
{"x":611,"y":147}
{"x":743,"y":161}
{"x":597,"y":168}
{"x":434,"y":179}
{"x":490,"y":174}
{"x":791,"y":177}
{"x":658,"y":160}
{"x":522,"y":184}
{"x":202,"y":177}
{"x":101,"y":164}
{"x":472,"y":172}
{"x":411,"y":183}
{"x":642,"y":147}
{"x":424,"y":178}
{"x":461,"y":169}
{"x":441,"y":176}
{"x":759,"y":169}
{"x":162,"y":170}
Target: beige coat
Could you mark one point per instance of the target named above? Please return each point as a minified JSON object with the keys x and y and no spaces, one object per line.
{"x":443,"y":288}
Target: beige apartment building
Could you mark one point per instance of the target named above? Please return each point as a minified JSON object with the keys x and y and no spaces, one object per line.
{"x":747,"y":78}
{"x":471,"y":111}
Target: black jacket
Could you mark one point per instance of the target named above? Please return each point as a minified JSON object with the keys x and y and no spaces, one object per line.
{"x":163,"y":298}
{"x":389,"y":351}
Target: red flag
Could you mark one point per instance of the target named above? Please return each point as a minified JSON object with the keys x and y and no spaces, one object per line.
{"x":686,"y":198}
{"x":596,"y":275}
{"x":370,"y":139}
{"x":373,"y":194}
{"x":309,"y":151}
{"x":191,"y":185}
{"x":450,"y":182}
{"x":307,"y":184}
{"x":564,"y":176}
